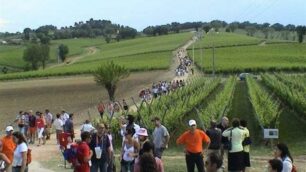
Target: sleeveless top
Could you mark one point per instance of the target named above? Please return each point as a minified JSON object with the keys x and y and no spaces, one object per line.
{"x":128,"y":149}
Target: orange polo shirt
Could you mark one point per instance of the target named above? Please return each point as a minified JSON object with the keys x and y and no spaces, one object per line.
{"x":193,"y":141}
{"x":8,"y":147}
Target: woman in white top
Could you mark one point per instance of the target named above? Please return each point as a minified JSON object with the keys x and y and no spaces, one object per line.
{"x":129,"y":152}
{"x":20,"y":154}
{"x":282,"y":152}
{"x":235,"y":156}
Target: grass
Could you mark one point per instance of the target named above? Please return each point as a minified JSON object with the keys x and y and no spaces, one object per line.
{"x":291,"y":128}
{"x":12,"y":55}
{"x":140,"y":54}
{"x":290,"y":56}
{"x":139,"y":62}
{"x":222,"y":39}
{"x":140,"y":46}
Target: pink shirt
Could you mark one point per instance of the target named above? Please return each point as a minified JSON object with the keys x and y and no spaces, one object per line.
{"x":159,"y":164}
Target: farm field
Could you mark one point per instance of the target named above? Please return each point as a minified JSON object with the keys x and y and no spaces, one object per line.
{"x":270,"y":57}
{"x":131,"y":53}
{"x":12,"y":55}
{"x":225,"y":39}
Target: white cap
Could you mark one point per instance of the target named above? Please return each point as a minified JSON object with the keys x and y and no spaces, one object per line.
{"x":192,"y":122}
{"x":142,"y":132}
{"x":9,"y":128}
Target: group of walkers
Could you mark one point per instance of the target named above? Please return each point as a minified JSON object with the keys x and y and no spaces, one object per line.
{"x":160,"y":88}
{"x":95,"y":151}
{"x":185,"y":61}
{"x":221,"y":140}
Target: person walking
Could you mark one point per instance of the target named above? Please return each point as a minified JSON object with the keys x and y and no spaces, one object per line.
{"x":100,"y":145}
{"x":125,"y":105}
{"x":235,"y":156}
{"x":4,"y":161}
{"x":143,"y":137}
{"x":129,"y":124}
{"x":49,"y":120}
{"x":20,"y":120}
{"x":40,"y":123}
{"x":69,"y":126}
{"x":58,"y":125}
{"x":8,"y":145}
{"x":147,"y":162}
{"x":101,"y":109}
{"x":215,"y":136}
{"x":129,"y":151}
{"x":161,"y":138}
{"x":193,"y":141}
{"x":246,"y":145}
{"x":224,"y":141}
{"x":282,"y":152}
{"x":87,"y":126}
{"x":275,"y":165}
{"x":213,"y":162}
{"x":20,"y":154}
{"x":84,"y":153}
{"x":32,"y":127}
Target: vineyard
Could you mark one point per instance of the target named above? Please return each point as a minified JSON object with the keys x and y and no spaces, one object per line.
{"x":206,"y":99}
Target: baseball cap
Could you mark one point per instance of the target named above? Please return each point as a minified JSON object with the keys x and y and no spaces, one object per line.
{"x":9,"y":128}
{"x":142,"y":132}
{"x":192,"y":122}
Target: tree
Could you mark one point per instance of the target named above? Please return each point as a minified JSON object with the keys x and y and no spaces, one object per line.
{"x":251,"y":30}
{"x":301,"y":31}
{"x":26,"y":33}
{"x":108,"y":76}
{"x":45,"y":51}
{"x":32,"y":55}
{"x":63,"y":50}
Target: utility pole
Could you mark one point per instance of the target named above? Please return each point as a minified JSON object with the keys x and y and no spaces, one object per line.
{"x":58,"y":58}
{"x":202,"y":65}
{"x":213,"y":60}
{"x":193,"y":53}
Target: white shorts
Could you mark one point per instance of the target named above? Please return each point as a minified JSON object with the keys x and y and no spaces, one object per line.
{"x":40,"y":132}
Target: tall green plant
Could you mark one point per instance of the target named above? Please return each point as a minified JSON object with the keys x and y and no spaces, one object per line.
{"x":108,"y":75}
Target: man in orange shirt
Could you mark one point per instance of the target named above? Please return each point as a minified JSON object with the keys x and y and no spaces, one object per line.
{"x":8,"y":144}
{"x":193,"y":141}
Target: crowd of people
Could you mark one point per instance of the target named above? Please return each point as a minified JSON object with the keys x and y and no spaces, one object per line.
{"x":140,"y":151}
{"x":185,"y":61}
{"x":160,"y":88}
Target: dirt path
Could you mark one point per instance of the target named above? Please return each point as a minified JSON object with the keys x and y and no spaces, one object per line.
{"x":73,"y":59}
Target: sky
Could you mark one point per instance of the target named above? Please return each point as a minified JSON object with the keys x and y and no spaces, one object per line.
{"x":15,"y":15}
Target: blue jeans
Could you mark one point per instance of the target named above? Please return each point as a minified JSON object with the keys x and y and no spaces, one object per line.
{"x":96,"y":165}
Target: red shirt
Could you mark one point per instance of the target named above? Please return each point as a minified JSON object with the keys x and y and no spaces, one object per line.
{"x":40,"y":123}
{"x":82,"y":152}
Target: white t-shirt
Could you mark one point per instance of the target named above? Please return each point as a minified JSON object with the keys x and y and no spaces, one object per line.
{"x":287,"y":165}
{"x":58,"y":124}
{"x":87,"y":127}
{"x":18,"y":154}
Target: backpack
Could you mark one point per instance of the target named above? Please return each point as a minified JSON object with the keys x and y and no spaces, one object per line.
{"x":29,"y":156}
{"x":70,"y":155}
{"x":215,"y":138}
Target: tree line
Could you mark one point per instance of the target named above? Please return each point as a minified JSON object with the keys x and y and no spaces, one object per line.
{"x":250,"y":28}
{"x":88,"y":29}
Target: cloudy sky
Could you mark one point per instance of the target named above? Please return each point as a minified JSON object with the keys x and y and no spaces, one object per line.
{"x":15,"y":15}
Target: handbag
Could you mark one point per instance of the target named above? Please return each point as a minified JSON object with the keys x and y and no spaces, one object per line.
{"x":228,"y":145}
{"x":246,"y":141}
